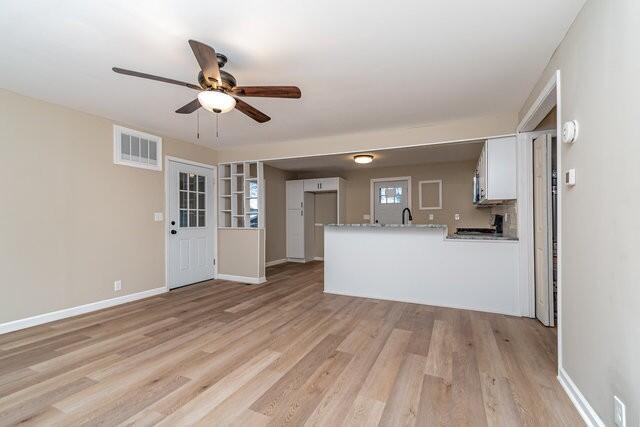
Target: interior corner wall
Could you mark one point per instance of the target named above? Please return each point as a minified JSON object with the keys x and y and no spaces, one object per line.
{"x":73,"y":222}
{"x":600,"y":292}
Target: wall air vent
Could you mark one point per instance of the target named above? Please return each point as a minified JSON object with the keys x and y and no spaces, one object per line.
{"x":137,"y":149}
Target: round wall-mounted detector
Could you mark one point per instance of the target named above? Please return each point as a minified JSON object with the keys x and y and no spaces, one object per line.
{"x":570,"y":131}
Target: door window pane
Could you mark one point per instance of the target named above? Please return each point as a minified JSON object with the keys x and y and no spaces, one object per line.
{"x":183,"y":200}
{"x":183,"y":181}
{"x":183,"y":218}
{"x":192,"y":200}
{"x":201,"y":202}
{"x":390,"y":195}
{"x":201,"y":183}
{"x":193,"y":218}
{"x":253,"y":204}
{"x":201,"y":215}
{"x":253,"y":189}
{"x":192,"y":182}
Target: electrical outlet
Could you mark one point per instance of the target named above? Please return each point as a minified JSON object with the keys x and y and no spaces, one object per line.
{"x":117,"y":285}
{"x":619,"y":412}
{"x":430,"y":217}
{"x":456,"y":217}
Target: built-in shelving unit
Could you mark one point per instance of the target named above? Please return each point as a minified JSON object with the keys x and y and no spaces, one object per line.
{"x":241,"y":195}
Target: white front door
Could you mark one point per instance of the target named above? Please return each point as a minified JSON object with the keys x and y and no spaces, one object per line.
{"x":389,"y":200}
{"x":190,"y":222}
{"x":543,"y":237}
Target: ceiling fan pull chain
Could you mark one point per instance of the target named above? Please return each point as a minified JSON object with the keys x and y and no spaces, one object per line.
{"x":198,"y":125}
{"x":218,"y":128}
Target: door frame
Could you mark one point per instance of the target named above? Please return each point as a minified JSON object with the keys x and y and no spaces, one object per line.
{"x":372,"y":192}
{"x":214,"y":192}
{"x":548,"y":97}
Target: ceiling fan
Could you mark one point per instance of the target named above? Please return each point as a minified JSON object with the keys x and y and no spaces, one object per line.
{"x":218,"y":90}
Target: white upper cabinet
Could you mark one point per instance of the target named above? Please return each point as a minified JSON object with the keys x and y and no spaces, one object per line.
{"x":321,"y":184}
{"x":497,"y":170}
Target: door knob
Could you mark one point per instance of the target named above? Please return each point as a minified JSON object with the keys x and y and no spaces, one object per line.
{"x":174,"y":232}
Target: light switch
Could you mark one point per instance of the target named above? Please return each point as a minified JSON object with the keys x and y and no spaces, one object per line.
{"x":430,"y":217}
{"x":158,"y":216}
{"x":456,"y":217}
{"x":366,"y":216}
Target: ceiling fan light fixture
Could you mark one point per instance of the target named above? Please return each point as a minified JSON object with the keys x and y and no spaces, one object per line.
{"x":363,"y":159}
{"x":216,"y":101}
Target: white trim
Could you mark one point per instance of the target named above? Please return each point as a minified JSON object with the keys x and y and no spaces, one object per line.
{"x":431,"y":181}
{"x":541,"y":106}
{"x":275,"y":262}
{"x":298,"y":260}
{"x":318,"y":258}
{"x":372,"y":195}
{"x":585,"y":410}
{"x":415,"y":301}
{"x":214,"y":190}
{"x":40,"y":319}
{"x":117,"y":153}
{"x":242,"y":279}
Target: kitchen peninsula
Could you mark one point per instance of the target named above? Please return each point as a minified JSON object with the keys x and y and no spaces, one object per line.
{"x":420,"y":264}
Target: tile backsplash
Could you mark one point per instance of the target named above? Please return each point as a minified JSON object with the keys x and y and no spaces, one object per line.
{"x":510,"y":211}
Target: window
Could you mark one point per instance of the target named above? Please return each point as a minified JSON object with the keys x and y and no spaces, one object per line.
{"x":390,"y":195}
{"x":430,"y":194}
{"x":137,"y":149}
{"x":193,"y":208}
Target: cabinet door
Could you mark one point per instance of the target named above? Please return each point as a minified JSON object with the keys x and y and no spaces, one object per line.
{"x":312,"y":185}
{"x":501,"y":159}
{"x":295,"y":194}
{"x":328,"y":184}
{"x":482,"y":173}
{"x":295,"y":233}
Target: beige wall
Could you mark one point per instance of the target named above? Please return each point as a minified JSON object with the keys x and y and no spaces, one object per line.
{"x":600,"y":327}
{"x":468,"y":129}
{"x":326,"y":212}
{"x":72,"y":221}
{"x":241,"y":252}
{"x":550,"y":121}
{"x":275,"y":212}
{"x":456,"y":189}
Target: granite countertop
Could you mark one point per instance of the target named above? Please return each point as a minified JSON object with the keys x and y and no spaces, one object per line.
{"x":388,"y":225}
{"x":481,"y":237}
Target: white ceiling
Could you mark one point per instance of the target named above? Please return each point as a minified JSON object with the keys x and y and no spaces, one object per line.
{"x":361,"y":64}
{"x":452,"y":152}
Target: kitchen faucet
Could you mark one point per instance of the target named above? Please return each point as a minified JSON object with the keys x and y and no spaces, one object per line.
{"x":410,"y":217}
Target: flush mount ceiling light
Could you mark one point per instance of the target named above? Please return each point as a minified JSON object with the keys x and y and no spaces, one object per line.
{"x":363,"y":159}
{"x":216,"y":101}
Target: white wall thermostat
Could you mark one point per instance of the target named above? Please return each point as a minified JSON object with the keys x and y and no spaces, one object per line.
{"x":570,"y":177}
{"x":570,"y":132}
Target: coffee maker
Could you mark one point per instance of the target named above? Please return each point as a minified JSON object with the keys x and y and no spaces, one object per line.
{"x":498,"y":222}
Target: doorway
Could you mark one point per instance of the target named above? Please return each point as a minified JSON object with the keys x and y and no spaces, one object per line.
{"x":389,"y":197}
{"x":545,"y":227}
{"x":190,"y":222}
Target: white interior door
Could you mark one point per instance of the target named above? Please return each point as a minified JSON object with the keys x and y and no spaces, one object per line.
{"x":543,"y":237}
{"x":190,"y":222}
{"x":389,"y":199}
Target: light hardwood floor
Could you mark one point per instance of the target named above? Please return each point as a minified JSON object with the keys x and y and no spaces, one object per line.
{"x":222,"y":353}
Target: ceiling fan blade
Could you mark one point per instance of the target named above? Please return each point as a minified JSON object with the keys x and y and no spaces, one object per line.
{"x":250,"y":111}
{"x":157,"y":78}
{"x":268,"y":91}
{"x":189,"y":108}
{"x":207,"y":59}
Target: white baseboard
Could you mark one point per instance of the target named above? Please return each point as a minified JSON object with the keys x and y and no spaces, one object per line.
{"x":298,"y":260}
{"x":275,"y":262}
{"x":589,"y":416}
{"x":39,"y":319}
{"x":318,"y":258}
{"x":242,"y":279}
